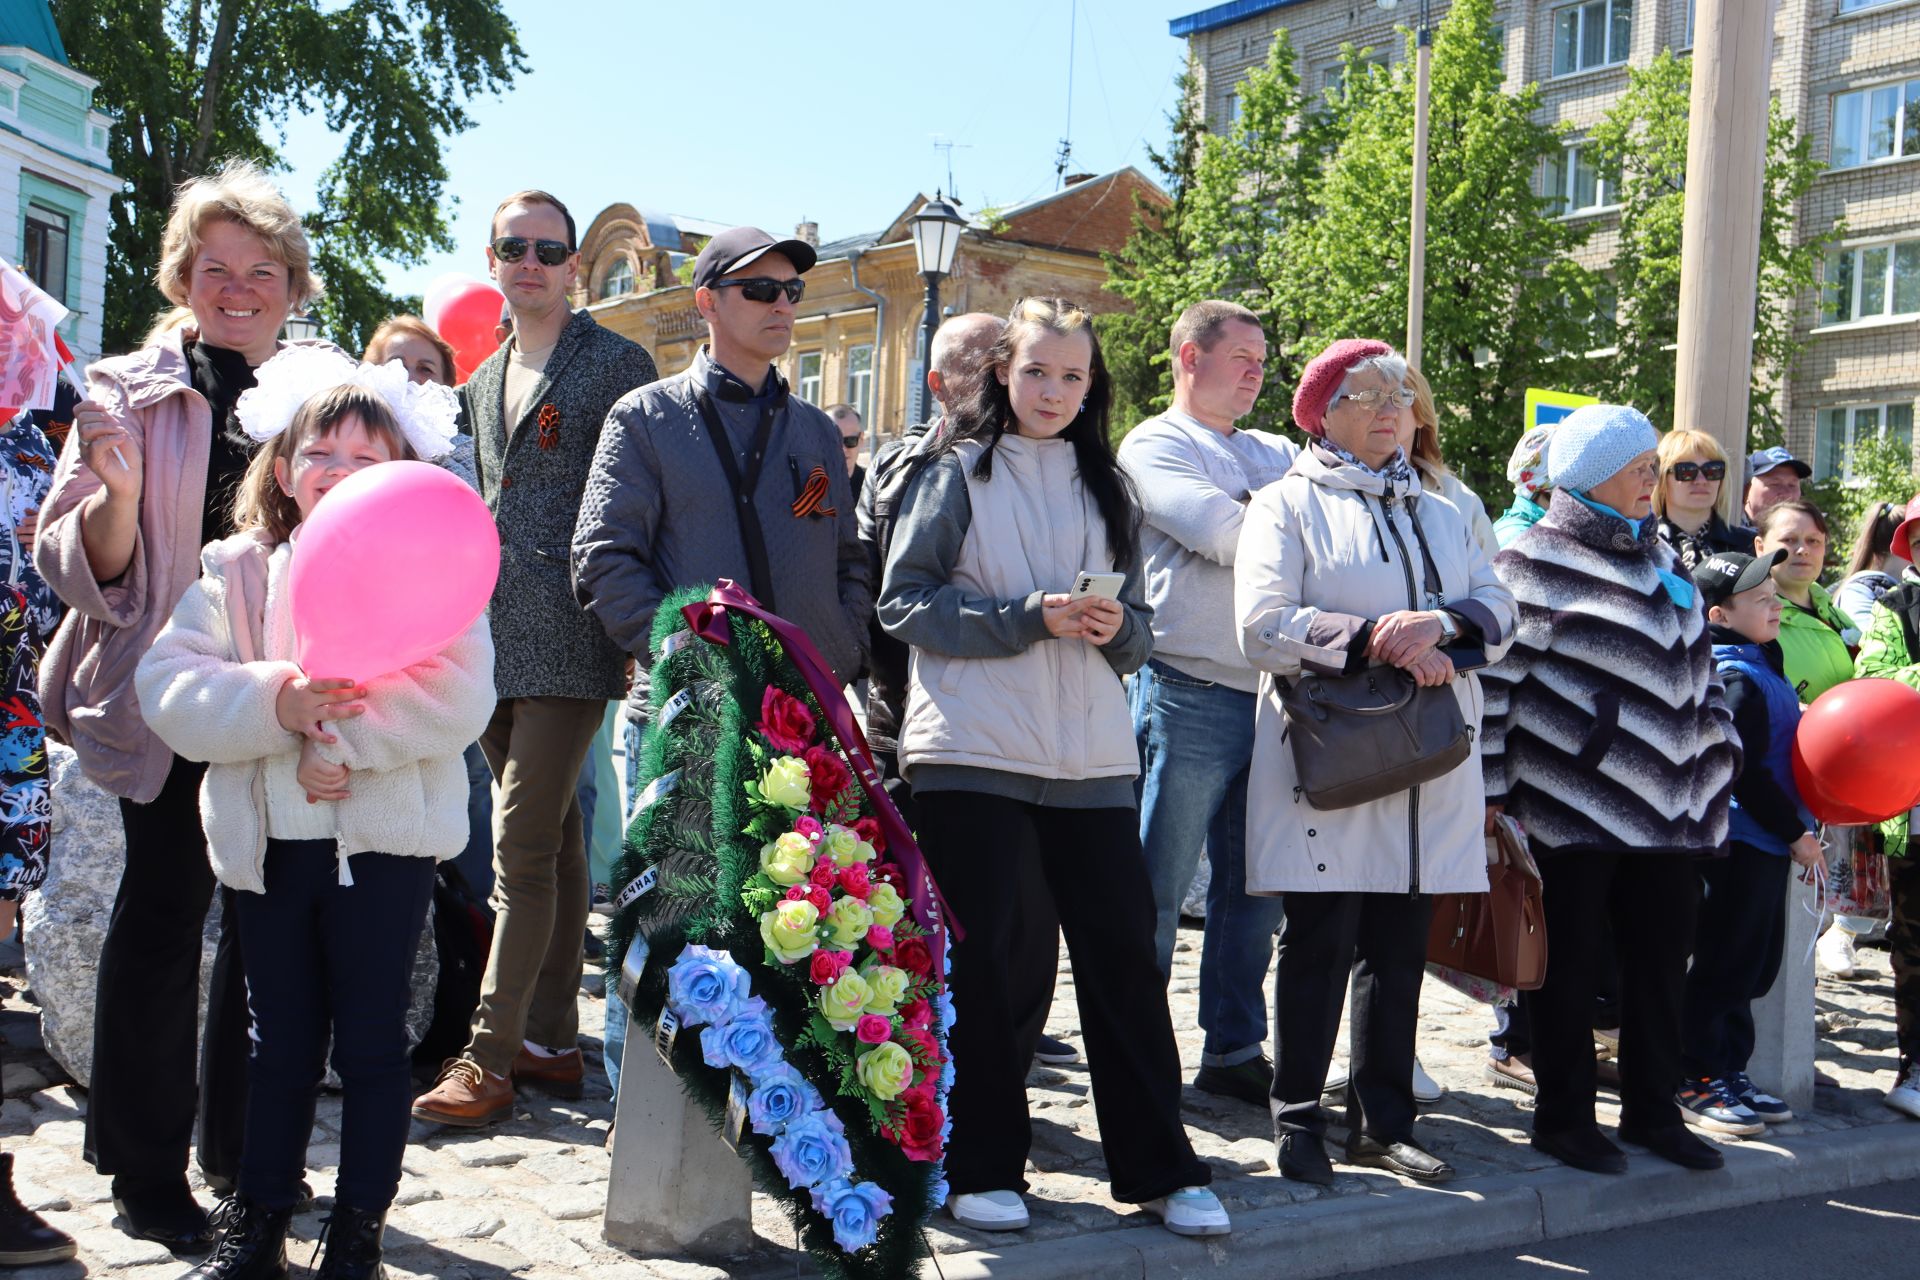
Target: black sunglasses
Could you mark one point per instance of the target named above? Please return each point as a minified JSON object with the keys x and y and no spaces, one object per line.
{"x":765,"y":288}
{"x":550,"y":253}
{"x":849,"y":442}
{"x":1688,"y":472}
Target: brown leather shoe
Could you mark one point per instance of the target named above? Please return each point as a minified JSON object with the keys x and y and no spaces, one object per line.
{"x":563,"y":1076}
{"x":465,"y":1095}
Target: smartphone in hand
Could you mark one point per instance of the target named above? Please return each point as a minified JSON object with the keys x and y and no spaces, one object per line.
{"x":1106,"y":586}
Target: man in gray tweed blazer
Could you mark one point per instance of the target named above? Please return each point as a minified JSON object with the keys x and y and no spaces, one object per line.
{"x":536,"y":407}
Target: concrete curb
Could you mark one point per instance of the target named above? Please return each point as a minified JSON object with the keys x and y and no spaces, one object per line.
{"x":1411,"y":1223}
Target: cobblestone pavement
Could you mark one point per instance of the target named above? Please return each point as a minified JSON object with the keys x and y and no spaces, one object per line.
{"x":524,"y":1198}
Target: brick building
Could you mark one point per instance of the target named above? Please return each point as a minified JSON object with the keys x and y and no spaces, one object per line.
{"x":1848,"y":71}
{"x":856,"y":338}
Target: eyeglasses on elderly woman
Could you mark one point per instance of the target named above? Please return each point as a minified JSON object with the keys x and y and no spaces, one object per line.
{"x":1372,"y":399}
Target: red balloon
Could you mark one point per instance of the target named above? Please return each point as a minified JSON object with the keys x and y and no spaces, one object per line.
{"x":1858,"y":751}
{"x":1821,"y":805}
{"x":468,"y":318}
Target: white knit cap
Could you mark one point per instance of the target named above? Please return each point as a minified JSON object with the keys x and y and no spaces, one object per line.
{"x":1592,"y":444}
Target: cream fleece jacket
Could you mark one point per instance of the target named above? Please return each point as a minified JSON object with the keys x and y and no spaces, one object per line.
{"x":208,"y":687}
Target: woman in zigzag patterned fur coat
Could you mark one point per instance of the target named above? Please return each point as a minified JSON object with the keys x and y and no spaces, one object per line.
{"x":1606,"y":736}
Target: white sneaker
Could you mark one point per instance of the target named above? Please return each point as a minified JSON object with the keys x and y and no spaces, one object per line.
{"x":1191,"y":1211}
{"x":989,"y":1210}
{"x":1835,"y":951}
{"x":1425,"y":1087}
{"x":1905,"y":1094}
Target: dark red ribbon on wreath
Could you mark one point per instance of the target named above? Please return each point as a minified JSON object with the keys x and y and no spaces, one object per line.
{"x":706,"y":619}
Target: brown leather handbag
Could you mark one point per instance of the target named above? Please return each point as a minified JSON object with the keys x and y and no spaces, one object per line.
{"x":1499,"y":935}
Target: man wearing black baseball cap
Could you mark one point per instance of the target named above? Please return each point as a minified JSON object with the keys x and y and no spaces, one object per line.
{"x":717,"y":472}
{"x":1773,"y":476}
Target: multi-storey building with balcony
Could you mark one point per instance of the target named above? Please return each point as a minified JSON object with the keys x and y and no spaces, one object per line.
{"x":1848,"y":71}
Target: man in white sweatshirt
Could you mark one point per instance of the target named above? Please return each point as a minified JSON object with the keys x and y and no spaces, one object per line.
{"x":1193,"y":704}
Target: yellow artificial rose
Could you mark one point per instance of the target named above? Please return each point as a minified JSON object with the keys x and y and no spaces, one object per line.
{"x":788,"y":859}
{"x":789,"y":930}
{"x":845,"y":1000}
{"x":842,"y":844}
{"x":887,"y":987}
{"x":886,"y":1070}
{"x":885,"y":905}
{"x":849,"y":920}
{"x":864,"y":852}
{"x":788,"y":781}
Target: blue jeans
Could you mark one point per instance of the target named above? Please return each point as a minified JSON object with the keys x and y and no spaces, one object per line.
{"x":1196,"y":746}
{"x":613,"y":1039}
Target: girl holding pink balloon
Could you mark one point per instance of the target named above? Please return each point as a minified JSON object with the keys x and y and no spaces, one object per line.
{"x":331,"y":664}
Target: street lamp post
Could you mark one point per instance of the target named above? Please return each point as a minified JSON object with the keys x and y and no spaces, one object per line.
{"x":300,"y":327}
{"x":1417,"y":245}
{"x":936,"y":238}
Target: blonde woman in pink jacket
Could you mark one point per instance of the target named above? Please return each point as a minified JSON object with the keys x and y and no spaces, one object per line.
{"x":145,"y":479}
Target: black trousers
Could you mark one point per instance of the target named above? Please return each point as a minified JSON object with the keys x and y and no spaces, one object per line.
{"x":141,"y":1105}
{"x":326,"y":958}
{"x":1903,"y":940}
{"x":1648,"y":898}
{"x":1382,"y":939}
{"x":983,"y":849}
{"x":1043,"y":951}
{"x":1740,"y":934}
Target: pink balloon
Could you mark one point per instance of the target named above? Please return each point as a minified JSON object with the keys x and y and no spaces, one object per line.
{"x":392,"y":566}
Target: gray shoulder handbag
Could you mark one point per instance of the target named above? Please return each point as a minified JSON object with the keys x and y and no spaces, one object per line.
{"x":1374,"y":733}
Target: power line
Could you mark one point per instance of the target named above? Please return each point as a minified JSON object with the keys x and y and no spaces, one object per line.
{"x":1064,"y":157}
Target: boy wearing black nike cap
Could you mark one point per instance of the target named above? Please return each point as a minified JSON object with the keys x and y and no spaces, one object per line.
{"x":1740,"y":931}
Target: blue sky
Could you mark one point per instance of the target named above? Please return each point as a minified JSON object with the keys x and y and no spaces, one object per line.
{"x":773,"y":112}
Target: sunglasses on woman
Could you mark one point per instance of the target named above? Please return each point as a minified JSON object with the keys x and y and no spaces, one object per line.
{"x":549,"y":253}
{"x":765,"y":288}
{"x":1688,"y":472}
{"x":1374,"y":399}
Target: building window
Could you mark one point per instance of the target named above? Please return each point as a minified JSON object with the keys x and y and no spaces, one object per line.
{"x":860,"y":380}
{"x":1836,"y":431}
{"x":45,"y":250}
{"x":807,"y":383}
{"x":1594,"y":34}
{"x":618,"y":280}
{"x":1687,"y":41}
{"x":1854,"y":6}
{"x":1881,"y":123}
{"x":1576,"y":184}
{"x":1873,"y":280}
{"x":1333,"y":79}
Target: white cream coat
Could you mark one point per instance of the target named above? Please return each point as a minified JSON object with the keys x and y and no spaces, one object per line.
{"x":208,"y":688}
{"x":1309,"y":572}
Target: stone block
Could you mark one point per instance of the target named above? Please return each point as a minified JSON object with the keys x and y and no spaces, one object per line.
{"x":1783,"y":1019}
{"x":674,"y":1187}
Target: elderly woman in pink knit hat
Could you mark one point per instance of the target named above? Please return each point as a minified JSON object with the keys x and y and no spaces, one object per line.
{"x":1348,"y":566}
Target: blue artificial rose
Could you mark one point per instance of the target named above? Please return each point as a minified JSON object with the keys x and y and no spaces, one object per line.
{"x":707,"y":986}
{"x":746,"y":1041}
{"x":855,"y":1209}
{"x":780,"y":1096}
{"x":939,"y":1193}
{"x":812,"y":1150}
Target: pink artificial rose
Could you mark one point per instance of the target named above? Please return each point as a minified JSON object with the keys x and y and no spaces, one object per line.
{"x":795,"y":893}
{"x":879,"y":937}
{"x":824,"y":874}
{"x":869,"y":830}
{"x":822,"y":900}
{"x":785,"y":722}
{"x":853,"y":880}
{"x":825,"y":967}
{"x":873,"y":1029}
{"x":809,"y":826}
{"x":829,"y":775}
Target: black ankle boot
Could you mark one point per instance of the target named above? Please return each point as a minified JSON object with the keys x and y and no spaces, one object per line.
{"x":351,"y":1238}
{"x":252,"y":1244}
{"x":24,"y":1238}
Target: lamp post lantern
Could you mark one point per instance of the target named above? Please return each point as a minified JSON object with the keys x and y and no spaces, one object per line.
{"x":300,"y":327}
{"x":936,"y":239}
{"x":1417,"y":244}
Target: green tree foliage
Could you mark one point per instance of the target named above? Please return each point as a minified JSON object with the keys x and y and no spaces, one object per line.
{"x":1882,"y":471}
{"x":1241,"y":199}
{"x":1643,"y":140}
{"x":197,"y":81}
{"x":1506,"y":305}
